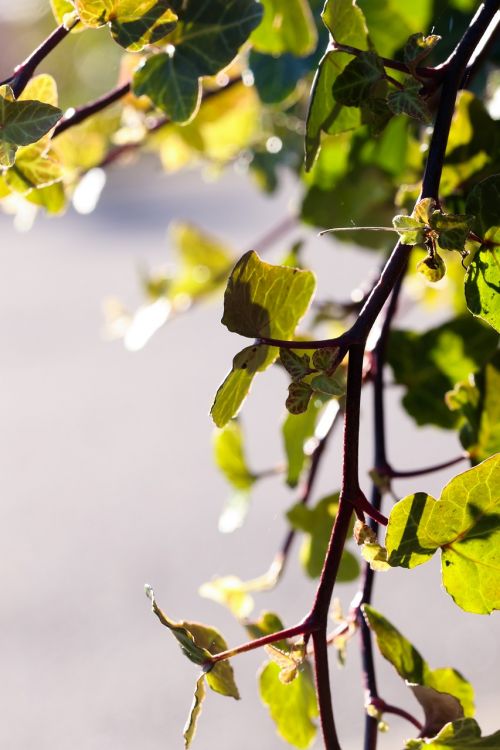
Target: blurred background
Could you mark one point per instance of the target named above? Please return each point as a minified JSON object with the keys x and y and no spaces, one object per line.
{"x":108,"y":482}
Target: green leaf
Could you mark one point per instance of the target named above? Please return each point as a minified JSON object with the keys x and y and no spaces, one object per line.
{"x":434,"y":686}
{"x":299,"y":396}
{"x":234,"y":389}
{"x":296,"y":365}
{"x":296,"y":430}
{"x":326,"y":359}
{"x":292,"y":706}
{"x":331,"y":385}
{"x":23,"y":122}
{"x":478,"y":403}
{"x":410,"y":229}
{"x":346,"y":23}
{"x":287,"y":26}
{"x":354,"y":86}
{"x":317,"y":524}
{"x":206,"y":40}
{"x":268,"y":623}
{"x":463,"y":734}
{"x":262,"y":300}
{"x":429,"y":364}
{"x":172,"y":84}
{"x":199,"y":643}
{"x":409,"y":102}
{"x":392,"y":21}
{"x":34,"y":168}
{"x":230,"y":458}
{"x":453,"y":229}
{"x":325,"y":114}
{"x":465,"y":524}
{"x":205,"y":261}
{"x":194,"y":714}
{"x":482,"y":282}
{"x":417,"y":48}
{"x":133,"y":23}
{"x":231,"y":592}
{"x":220,"y":676}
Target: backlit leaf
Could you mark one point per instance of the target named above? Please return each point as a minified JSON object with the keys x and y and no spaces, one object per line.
{"x":287,"y":26}
{"x":292,"y":706}
{"x":444,"y":694}
{"x":23,"y":122}
{"x":133,"y":23}
{"x":417,"y":48}
{"x":392,"y":21}
{"x":299,"y":396}
{"x":410,"y":229}
{"x":206,"y":40}
{"x":356,"y":82}
{"x":477,"y":400}
{"x":231,"y":592}
{"x":234,"y":389}
{"x":408,"y":101}
{"x":297,"y":365}
{"x":297,"y":429}
{"x":35,"y":167}
{"x":252,"y":309}
{"x":465,"y":524}
{"x":463,"y":734}
{"x":317,"y":524}
{"x":230,"y":457}
{"x":194,"y":714}
{"x":429,"y":364}
{"x":453,"y":229}
{"x":482,"y":282}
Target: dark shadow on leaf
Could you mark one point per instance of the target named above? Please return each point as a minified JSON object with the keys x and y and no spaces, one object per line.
{"x":409,"y":543}
{"x":241,"y":314}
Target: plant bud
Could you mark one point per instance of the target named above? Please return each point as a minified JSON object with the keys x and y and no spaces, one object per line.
{"x":432,"y":267}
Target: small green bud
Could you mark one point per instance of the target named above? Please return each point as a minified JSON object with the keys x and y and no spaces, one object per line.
{"x":432,"y":267}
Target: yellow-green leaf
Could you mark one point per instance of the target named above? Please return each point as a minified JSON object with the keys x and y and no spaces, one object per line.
{"x":465,"y":524}
{"x":287,"y":26}
{"x":194,"y":714}
{"x":133,"y":23}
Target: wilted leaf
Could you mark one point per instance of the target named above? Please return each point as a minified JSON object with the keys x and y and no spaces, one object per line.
{"x":463,"y":734}
{"x":194,"y":714}
{"x":443,"y":693}
{"x":465,"y":524}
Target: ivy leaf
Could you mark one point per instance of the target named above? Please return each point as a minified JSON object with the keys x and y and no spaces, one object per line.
{"x":231,"y":592}
{"x":453,"y":229}
{"x":22,"y":122}
{"x":234,"y":389}
{"x":317,"y":524}
{"x":296,"y":430}
{"x":207,"y":39}
{"x":478,"y":403}
{"x":410,"y":229}
{"x":443,"y":693}
{"x":326,"y":359}
{"x":463,"y":734}
{"x":330,"y":385}
{"x":292,"y":706}
{"x":268,"y":623}
{"x":392,"y":21}
{"x":409,"y":102}
{"x":325,"y":114}
{"x":250,"y":308}
{"x":230,"y":458}
{"x":417,"y":48}
{"x":172,"y":84}
{"x":429,"y":364}
{"x":34,"y":168}
{"x":465,"y":524}
{"x":289,"y":661}
{"x":347,"y":25}
{"x":205,"y":261}
{"x":194,"y":714}
{"x":299,"y":396}
{"x":287,"y":26}
{"x":297,"y":366}
{"x":133,"y":23}
{"x":354,"y":86}
{"x":482,"y":281}
{"x":65,"y":13}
